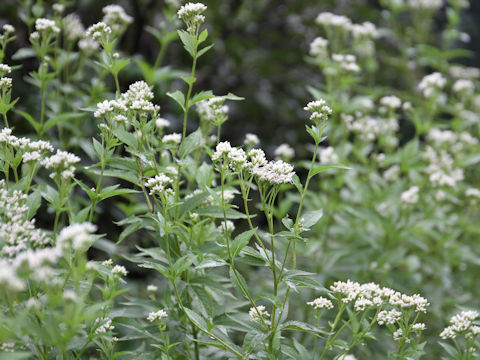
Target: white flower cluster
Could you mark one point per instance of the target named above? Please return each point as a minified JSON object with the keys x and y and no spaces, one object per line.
{"x":388,"y":317}
{"x":119,"y":271}
{"x":284,"y":151}
{"x":16,"y":230}
{"x":258,"y":315}
{"x":451,"y":140}
{"x":7,"y":28}
{"x":392,"y":173}
{"x":461,"y":72}
{"x":391,"y":102}
{"x":190,"y":13}
{"x":273,"y":172}
{"x":370,"y":128}
{"x":136,"y":99}
{"x":162,"y":123}
{"x":99,"y":31}
{"x":346,"y":62}
{"x":340,"y":22}
{"x":371,"y":294}
{"x":213,"y":110}
{"x":440,"y":168}
{"x":76,"y":236}
{"x":28,"y":149}
{"x":328,"y":156}
{"x":251,"y":140}
{"x":46,"y":26}
{"x":157,"y":315}
{"x":5,"y":69}
{"x":332,"y":20}
{"x":319,"y":109}
{"x":318,"y":47}
{"x":226,"y":227}
{"x":410,"y":196}
{"x":321,"y":303}
{"x":61,"y":164}
{"x":473,"y":193}
{"x":425,"y":4}
{"x":461,"y":324}
{"x":464,"y":86}
{"x":5,"y":84}
{"x":116,"y":17}
{"x":73,"y":27}
{"x":173,"y":138}
{"x":106,"y":326}
{"x":431,"y":84}
{"x":158,"y":185}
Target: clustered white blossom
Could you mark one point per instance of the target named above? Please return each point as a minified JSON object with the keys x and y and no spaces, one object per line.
{"x":162,"y":123}
{"x":462,"y":324}
{"x":464,"y":86}
{"x":346,"y":62}
{"x":425,"y":4}
{"x":431,"y":84}
{"x":284,"y":151}
{"x":61,"y":164}
{"x":16,"y":230}
{"x":226,"y":227}
{"x":116,"y":17}
{"x":251,"y":140}
{"x":191,"y":14}
{"x":73,"y":27}
{"x":350,"y":291}
{"x":332,"y":20}
{"x":152,"y":288}
{"x":258,"y":315}
{"x":5,"y":69}
{"x":157,"y":315}
{"x":391,"y":102}
{"x":473,"y":193}
{"x":370,"y":128}
{"x":158,"y":185}
{"x":88,"y":45}
{"x":451,"y":140}
{"x":76,"y":236}
{"x":328,"y":155}
{"x":119,"y":271}
{"x":46,"y":25}
{"x":106,"y":326}
{"x":410,"y":196}
{"x":99,"y":31}
{"x":321,"y":303}
{"x":28,"y":149}
{"x":318,"y":47}
{"x":319,"y":109}
{"x":173,"y":138}
{"x":440,"y":169}
{"x":213,"y":110}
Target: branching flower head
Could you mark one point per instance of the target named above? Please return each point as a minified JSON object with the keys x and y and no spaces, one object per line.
{"x":46,"y":27}
{"x":191,"y":15}
{"x":319,"y":109}
{"x":61,"y":164}
{"x":157,"y":315}
{"x":116,"y":17}
{"x":256,"y":314}
{"x":99,"y":32}
{"x":321,"y":303}
{"x":77,"y":237}
{"x":158,"y":185}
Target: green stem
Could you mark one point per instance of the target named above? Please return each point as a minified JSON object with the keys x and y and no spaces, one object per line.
{"x":5,"y":120}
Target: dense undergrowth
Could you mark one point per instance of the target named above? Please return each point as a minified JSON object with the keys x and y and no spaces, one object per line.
{"x":131,"y":232}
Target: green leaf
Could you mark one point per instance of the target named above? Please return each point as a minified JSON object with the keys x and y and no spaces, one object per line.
{"x":111,"y":191}
{"x":188,"y":41}
{"x":183,"y":264}
{"x":204,"y":50}
{"x":311,"y":218}
{"x":203,"y":36}
{"x":233,"y":97}
{"x":324,"y":167}
{"x":119,"y":65}
{"x":178,"y":97}
{"x":34,"y":201}
{"x":197,"y":320}
{"x":202,"y":95}
{"x":60,"y":118}
{"x":126,"y":137}
{"x":192,"y":142}
{"x":238,"y":282}
{"x":241,"y":241}
{"x":30,"y":119}
{"x":190,"y":80}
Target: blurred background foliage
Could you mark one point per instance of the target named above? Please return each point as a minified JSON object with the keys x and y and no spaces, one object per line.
{"x":259,"y":54}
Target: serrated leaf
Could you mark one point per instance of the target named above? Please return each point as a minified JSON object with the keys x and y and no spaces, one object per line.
{"x":241,"y":241}
{"x":204,"y":50}
{"x":178,"y":97}
{"x":188,"y":41}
